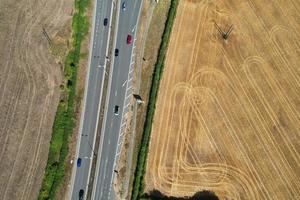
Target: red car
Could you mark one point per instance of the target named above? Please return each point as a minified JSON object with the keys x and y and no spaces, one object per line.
{"x":129,"y":39}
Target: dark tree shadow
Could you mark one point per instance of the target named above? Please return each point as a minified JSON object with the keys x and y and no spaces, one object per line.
{"x":205,"y":195}
{"x":202,"y":195}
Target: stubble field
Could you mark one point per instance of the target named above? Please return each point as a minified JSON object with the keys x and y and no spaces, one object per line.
{"x":228,"y":113}
{"x":29,"y":91}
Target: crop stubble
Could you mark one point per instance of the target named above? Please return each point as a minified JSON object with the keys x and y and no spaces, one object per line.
{"x":228,"y":113}
{"x":29,"y":92}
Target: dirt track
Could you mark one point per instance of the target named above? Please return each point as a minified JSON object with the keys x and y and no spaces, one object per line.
{"x":228,"y":113}
{"x":29,"y":92}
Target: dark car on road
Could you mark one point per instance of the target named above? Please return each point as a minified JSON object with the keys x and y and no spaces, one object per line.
{"x":81,"y":194}
{"x":105,"y":22}
{"x":78,"y":162}
{"x":116,"y":110}
{"x":116,"y":52}
{"x":129,"y":39}
{"x":124,"y":6}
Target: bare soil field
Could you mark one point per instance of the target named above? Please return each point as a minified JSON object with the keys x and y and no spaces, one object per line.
{"x":228,"y":113}
{"x":29,"y":91}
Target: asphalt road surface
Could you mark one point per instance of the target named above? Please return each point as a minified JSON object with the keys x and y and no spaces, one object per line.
{"x":92,"y":97}
{"x":118,"y":95}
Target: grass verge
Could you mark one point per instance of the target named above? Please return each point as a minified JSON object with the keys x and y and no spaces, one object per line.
{"x":138,"y":185}
{"x":64,"y":120}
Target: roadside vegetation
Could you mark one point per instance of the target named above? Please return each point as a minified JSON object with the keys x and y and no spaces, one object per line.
{"x":138,"y":185}
{"x":64,"y":120}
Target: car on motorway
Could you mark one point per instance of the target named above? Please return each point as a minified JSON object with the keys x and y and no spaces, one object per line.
{"x":124,"y":6}
{"x":78,"y":162}
{"x":116,"y":110}
{"x":105,"y":22}
{"x":81,"y":194}
{"x":116,"y":52}
{"x":129,"y":39}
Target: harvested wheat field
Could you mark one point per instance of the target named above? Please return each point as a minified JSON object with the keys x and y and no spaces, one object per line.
{"x":29,"y":93}
{"x":228,"y":113}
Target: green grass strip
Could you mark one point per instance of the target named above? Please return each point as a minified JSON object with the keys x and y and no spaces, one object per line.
{"x":64,"y":119}
{"x":138,"y":186}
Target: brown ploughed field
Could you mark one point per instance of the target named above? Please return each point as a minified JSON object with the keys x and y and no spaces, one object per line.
{"x":228,"y":113}
{"x":29,"y":91}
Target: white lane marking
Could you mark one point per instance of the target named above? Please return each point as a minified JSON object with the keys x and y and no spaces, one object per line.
{"x":103,"y":174}
{"x":133,"y":28}
{"x":116,"y":93}
{"x":124,"y":124}
{"x":130,"y":75}
{"x":129,"y":82}
{"x":131,"y":68}
{"x":129,"y":88}
{"x":122,"y":133}
{"x":124,"y":83}
{"x":127,"y":97}
{"x":127,"y":105}
{"x":130,"y":72}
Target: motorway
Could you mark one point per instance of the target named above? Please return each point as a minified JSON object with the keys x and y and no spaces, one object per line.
{"x":119,"y":93}
{"x":92,"y":97}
